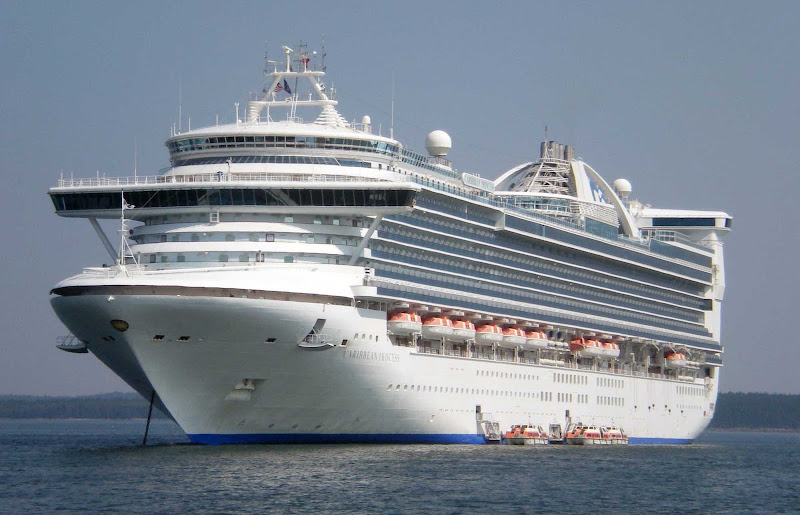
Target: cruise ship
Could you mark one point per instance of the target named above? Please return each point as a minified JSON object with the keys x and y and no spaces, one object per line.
{"x":311,"y":280}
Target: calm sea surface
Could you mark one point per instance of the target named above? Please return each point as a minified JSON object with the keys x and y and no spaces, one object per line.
{"x":82,"y":465}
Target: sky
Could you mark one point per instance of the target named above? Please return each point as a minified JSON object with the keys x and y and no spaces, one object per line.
{"x":695,"y":103}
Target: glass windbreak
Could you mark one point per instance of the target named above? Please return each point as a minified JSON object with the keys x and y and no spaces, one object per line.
{"x":217,"y":142}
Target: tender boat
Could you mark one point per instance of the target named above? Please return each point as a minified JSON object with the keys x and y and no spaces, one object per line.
{"x":614,"y":435}
{"x":584,"y":435}
{"x":526,"y":435}
{"x":596,"y":435}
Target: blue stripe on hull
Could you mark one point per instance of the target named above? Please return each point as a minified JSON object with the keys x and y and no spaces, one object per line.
{"x":215,"y":439}
{"x":223,"y":439}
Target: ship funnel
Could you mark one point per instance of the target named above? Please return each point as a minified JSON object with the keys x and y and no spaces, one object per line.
{"x":554,"y":150}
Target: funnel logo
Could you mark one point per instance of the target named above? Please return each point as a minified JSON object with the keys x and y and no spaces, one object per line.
{"x":598,"y":195}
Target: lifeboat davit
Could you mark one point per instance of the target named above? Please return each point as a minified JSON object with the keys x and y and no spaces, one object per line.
{"x":674,"y":360}
{"x":488,"y":334}
{"x":560,"y":345}
{"x":463,"y":330}
{"x":535,"y":340}
{"x":437,"y":327}
{"x":513,"y":337}
{"x":404,"y":323}
{"x":610,"y":349}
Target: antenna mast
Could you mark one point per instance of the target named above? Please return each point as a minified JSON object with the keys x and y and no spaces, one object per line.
{"x":323,"y":53}
{"x":123,"y":237}
{"x":391,"y":127}
{"x":180,"y":101}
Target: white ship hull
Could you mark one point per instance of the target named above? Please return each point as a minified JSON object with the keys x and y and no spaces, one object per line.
{"x":227,"y":385}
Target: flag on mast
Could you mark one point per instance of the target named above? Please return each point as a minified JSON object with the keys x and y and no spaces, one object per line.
{"x":283,"y":87}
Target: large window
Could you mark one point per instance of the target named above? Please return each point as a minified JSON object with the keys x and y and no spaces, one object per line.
{"x":307,"y":160}
{"x":80,"y":201}
{"x":684,"y":222}
{"x":218,"y":142}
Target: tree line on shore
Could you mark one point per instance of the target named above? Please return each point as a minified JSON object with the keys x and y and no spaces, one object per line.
{"x":110,"y":405}
{"x":733,"y":410}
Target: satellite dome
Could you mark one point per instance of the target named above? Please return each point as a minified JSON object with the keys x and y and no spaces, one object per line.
{"x":623,"y":188}
{"x":438,"y":143}
{"x":366,"y":120}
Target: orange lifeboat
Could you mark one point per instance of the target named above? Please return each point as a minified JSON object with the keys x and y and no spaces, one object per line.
{"x":488,"y":334}
{"x":514,"y":431}
{"x":404,"y":323}
{"x":577,"y":344}
{"x":610,"y":349}
{"x":534,"y":340}
{"x":526,"y":435}
{"x":512,"y":337}
{"x":463,"y":330}
{"x":674,"y":360}
{"x":589,"y":347}
{"x":615,"y":435}
{"x":436,"y":328}
{"x":585,"y":435}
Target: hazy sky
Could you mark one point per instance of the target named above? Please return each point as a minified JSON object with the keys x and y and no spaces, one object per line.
{"x":696,"y":103}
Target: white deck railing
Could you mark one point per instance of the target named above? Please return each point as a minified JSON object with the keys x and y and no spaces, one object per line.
{"x":216,"y":178}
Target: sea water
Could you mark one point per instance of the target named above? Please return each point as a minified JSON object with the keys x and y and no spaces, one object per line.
{"x":89,"y":465}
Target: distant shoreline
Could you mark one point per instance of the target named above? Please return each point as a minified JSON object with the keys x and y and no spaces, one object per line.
{"x":734,"y":412}
{"x":83,"y":419}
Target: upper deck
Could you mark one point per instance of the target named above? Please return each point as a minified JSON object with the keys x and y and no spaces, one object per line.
{"x":331,"y":165}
